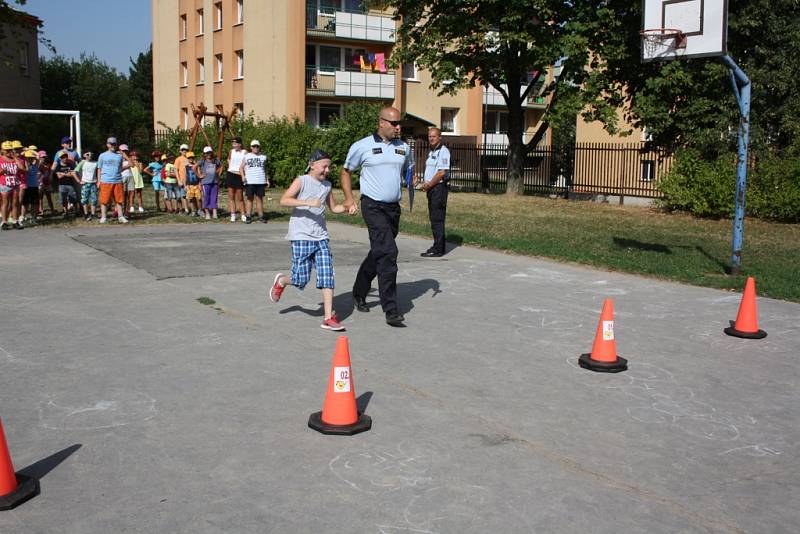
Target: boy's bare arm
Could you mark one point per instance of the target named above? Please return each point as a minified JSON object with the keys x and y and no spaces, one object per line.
{"x":333,"y":206}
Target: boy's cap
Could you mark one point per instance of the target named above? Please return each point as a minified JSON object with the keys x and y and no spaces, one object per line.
{"x":237,"y":139}
{"x":184,"y":147}
{"x":163,"y":157}
{"x":16,"y":144}
{"x":111,"y":141}
{"x":123,"y":146}
{"x":318,"y":155}
{"x":33,"y":147}
{"x":42,"y":154}
{"x":190,"y":154}
{"x":255,"y":142}
{"x":6,"y":145}
{"x":29,"y":154}
{"x":207,"y":149}
{"x":63,"y":155}
{"x":65,"y":140}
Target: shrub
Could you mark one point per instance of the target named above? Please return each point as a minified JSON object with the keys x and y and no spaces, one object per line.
{"x":703,"y":188}
{"x":707,"y":188}
{"x":288,"y":142}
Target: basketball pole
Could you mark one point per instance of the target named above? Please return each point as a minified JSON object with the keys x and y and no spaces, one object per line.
{"x":741,"y":90}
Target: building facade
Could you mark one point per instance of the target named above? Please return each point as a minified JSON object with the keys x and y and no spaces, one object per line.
{"x":19,"y":66}
{"x":304,"y":58}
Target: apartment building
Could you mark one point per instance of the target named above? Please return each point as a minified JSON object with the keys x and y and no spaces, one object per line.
{"x":304,"y":58}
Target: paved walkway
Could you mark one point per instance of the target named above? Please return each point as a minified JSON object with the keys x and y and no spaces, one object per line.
{"x":144,"y":410}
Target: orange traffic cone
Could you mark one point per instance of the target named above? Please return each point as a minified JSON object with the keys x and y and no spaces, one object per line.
{"x":339,"y":413}
{"x":604,"y":357}
{"x":746,"y":324}
{"x":15,"y":489}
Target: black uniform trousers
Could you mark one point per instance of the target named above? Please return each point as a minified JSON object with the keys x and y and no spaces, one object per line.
{"x":383,"y":221}
{"x":437,"y":207}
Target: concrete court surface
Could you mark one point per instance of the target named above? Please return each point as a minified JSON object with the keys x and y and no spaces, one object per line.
{"x":143,"y":410}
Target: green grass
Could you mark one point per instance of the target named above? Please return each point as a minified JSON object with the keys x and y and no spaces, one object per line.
{"x":619,"y":238}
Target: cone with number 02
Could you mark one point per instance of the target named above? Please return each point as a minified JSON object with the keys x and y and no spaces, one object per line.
{"x":603,"y":357}
{"x":339,"y":415}
{"x":15,"y":489}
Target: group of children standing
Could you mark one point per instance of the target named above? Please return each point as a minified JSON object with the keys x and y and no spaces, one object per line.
{"x":24,"y":183}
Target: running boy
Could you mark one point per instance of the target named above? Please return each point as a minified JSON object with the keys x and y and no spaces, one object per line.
{"x":309,"y":195}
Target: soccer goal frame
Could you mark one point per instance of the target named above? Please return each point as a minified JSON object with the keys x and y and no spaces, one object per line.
{"x":74,"y":120}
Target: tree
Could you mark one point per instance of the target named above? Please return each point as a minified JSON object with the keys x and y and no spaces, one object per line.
{"x":464,"y":43}
{"x":106,"y":99}
{"x":690,"y":102}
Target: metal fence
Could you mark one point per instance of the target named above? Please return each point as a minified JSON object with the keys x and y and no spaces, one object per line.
{"x":632,"y":169}
{"x":586,"y":168}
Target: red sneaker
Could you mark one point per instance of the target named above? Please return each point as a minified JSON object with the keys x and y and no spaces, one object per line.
{"x":332,"y":324}
{"x":276,"y":290}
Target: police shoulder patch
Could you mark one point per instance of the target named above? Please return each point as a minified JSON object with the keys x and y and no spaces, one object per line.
{"x":400,"y":151}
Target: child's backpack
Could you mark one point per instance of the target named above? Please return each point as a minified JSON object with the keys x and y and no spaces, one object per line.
{"x":191,"y":177}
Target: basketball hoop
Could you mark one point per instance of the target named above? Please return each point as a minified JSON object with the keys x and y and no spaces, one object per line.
{"x":668,"y":39}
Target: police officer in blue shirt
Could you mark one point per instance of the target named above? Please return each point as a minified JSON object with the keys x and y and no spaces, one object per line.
{"x":437,"y":171}
{"x":383,"y":159}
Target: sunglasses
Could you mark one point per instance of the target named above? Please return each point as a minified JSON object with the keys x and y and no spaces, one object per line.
{"x":393,"y":123}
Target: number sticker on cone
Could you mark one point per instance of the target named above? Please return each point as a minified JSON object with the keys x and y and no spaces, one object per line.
{"x":603,"y":357}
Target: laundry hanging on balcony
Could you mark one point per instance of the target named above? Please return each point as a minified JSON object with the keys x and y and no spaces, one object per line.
{"x":372,"y":62}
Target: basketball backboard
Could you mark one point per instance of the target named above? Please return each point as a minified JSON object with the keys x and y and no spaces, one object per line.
{"x":703,"y":27}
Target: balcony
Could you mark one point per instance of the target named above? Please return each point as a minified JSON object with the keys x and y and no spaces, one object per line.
{"x":324,"y":81}
{"x":492,"y":97}
{"x":358,"y":26}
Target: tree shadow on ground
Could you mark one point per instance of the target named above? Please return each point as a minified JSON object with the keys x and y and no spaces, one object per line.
{"x":622,"y":242}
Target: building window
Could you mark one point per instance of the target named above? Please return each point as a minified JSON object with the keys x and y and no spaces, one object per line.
{"x":201,"y":70}
{"x":24,"y":63}
{"x":239,"y":109}
{"x":495,"y":122}
{"x":240,"y":63}
{"x":330,"y":58}
{"x":185,"y":114}
{"x":200,"y":22}
{"x":184,"y":74}
{"x":648,"y":170}
{"x":218,"y":16}
{"x":183,"y":27}
{"x":327,"y":112}
{"x":218,"y":59}
{"x":409,"y":71}
{"x":321,"y":114}
{"x":239,"y":11}
{"x":448,"y":122}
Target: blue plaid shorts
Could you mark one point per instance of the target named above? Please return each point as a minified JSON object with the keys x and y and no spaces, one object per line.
{"x":308,"y":254}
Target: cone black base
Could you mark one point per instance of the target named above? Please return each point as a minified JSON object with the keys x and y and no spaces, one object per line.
{"x":363,"y":424}
{"x":587,"y":362}
{"x":27,"y":488}
{"x":731,"y":331}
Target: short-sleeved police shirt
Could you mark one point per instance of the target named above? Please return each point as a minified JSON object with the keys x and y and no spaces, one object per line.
{"x":382,"y":165}
{"x":438,"y":160}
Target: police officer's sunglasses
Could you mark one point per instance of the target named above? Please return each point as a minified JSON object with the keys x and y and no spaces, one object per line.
{"x":393,"y":123}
